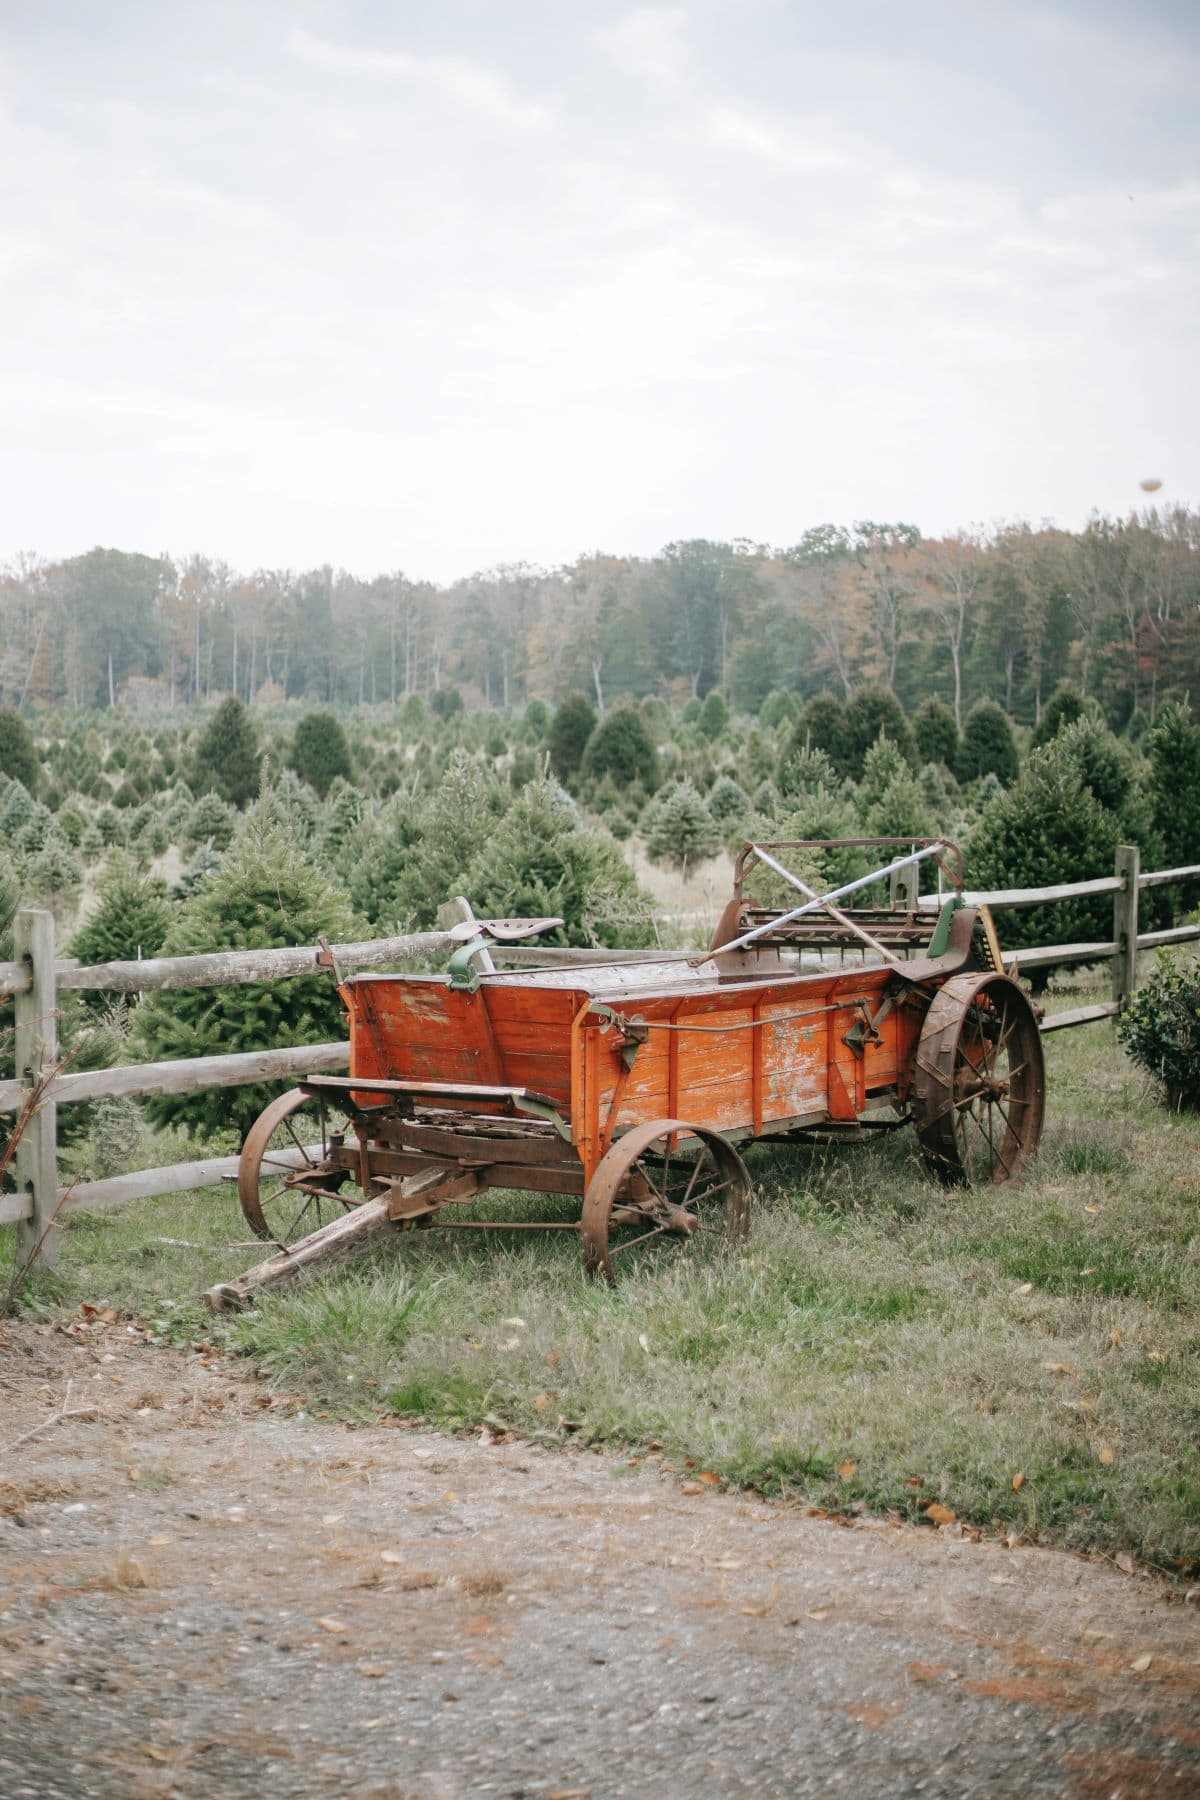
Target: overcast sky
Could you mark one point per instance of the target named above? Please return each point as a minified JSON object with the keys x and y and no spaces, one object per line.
{"x":433,"y":287}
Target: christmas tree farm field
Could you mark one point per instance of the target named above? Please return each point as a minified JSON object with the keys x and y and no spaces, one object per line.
{"x":1022,"y":1358}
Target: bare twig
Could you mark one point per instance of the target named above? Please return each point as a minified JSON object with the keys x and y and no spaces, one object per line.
{"x":65,"y":1411}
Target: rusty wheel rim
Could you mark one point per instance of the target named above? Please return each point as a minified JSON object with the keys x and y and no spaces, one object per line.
{"x":662,"y":1183}
{"x":286,"y":1184}
{"x":978,"y":1088}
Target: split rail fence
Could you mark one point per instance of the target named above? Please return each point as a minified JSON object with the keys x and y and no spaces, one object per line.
{"x":41,"y":1087}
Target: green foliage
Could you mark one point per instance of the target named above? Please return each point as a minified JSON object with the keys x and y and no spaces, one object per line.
{"x":1105,"y":765}
{"x":1045,"y":829}
{"x":714,"y":715}
{"x":873,"y":709}
{"x":779,"y":708}
{"x":823,"y":725}
{"x":728,"y":802}
{"x":900,"y":811}
{"x":210,"y":821}
{"x":18,"y":754}
{"x":1063,"y":708}
{"x":54,"y":877}
{"x":570,"y":729}
{"x":18,"y":808}
{"x":1174,"y":749}
{"x":131,"y":920}
{"x":539,"y":860}
{"x":446,"y":703}
{"x":265,"y":893}
{"x":385,"y":846}
{"x":535,"y":722}
{"x":678,"y":827}
{"x":204,"y":860}
{"x":988,"y":745}
{"x":882,"y":763}
{"x":228,"y":759}
{"x":621,"y":746}
{"x":936,"y":732}
{"x":1160,"y":1028}
{"x":320,"y":753}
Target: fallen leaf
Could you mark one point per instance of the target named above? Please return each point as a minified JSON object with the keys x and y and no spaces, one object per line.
{"x":1091,"y":1209}
{"x":1059,"y":1368}
{"x":553,"y":1359}
{"x":154,"y":1753}
{"x":391,"y":1556}
{"x":937,"y":1514}
{"x":519,"y":1323}
{"x":819,"y":1616}
{"x":513,"y":1343}
{"x":1124,"y":1562}
{"x":542,"y":1402}
{"x":449,"y":1497}
{"x":374,"y":1671}
{"x":691,"y":1487}
{"x":1025,"y":1288}
{"x":915,"y":1481}
{"x":727,"y":1562}
{"x":1140,"y":1664}
{"x":1002,"y":1581}
{"x":370,"y":1725}
{"x":158,"y":1540}
{"x":1107,"y":1457}
{"x":708,"y":1478}
{"x":1018,"y":1481}
{"x":332,"y":1625}
{"x":332,"y":1518}
{"x":644,"y":1341}
{"x":847,"y":1469}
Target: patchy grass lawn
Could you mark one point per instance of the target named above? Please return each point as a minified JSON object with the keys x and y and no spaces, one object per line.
{"x":1024,"y":1357}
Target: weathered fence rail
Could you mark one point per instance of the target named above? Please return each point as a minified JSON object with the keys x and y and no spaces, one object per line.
{"x":34,"y":978}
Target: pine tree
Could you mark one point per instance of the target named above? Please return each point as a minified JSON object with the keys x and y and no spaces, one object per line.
{"x":1063,"y":708}
{"x":228,"y":758}
{"x":936,"y":733}
{"x":450,"y":828}
{"x":18,"y":753}
{"x":265,"y":893}
{"x":871,"y":710}
{"x":822,"y":724}
{"x":728,"y":802}
{"x":131,"y":920}
{"x":678,"y":827}
{"x":881,"y":765}
{"x":570,"y":728}
{"x":621,"y":746}
{"x":210,"y":821}
{"x":1174,"y":749}
{"x":714,"y":715}
{"x":320,"y":752}
{"x":54,"y":877}
{"x":988,"y":745}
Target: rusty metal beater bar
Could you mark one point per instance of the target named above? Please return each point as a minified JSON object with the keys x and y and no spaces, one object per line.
{"x":823,"y":901}
{"x":841,"y":917}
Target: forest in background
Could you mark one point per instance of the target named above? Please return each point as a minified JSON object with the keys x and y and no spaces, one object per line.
{"x":1007,"y":615}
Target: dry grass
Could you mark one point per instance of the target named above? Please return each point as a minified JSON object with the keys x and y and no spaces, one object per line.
{"x":1024,"y":1357}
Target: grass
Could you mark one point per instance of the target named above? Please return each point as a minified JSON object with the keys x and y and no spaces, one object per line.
{"x":1026,"y":1357}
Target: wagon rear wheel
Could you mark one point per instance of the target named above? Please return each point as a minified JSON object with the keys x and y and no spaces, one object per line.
{"x":652,"y":1189}
{"x":978,"y":1088}
{"x":286,"y":1181}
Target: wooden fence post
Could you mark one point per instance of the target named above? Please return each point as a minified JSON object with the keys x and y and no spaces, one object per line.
{"x":1125,"y":924}
{"x":36,"y":1045}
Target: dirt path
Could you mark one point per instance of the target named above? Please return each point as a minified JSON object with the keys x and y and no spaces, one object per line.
{"x":203,"y":1592}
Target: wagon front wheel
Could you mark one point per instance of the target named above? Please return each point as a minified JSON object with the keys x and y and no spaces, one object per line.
{"x":978,"y":1088}
{"x":663,"y":1182}
{"x":289,"y":1181}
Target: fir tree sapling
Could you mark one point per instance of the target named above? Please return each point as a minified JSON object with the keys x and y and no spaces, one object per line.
{"x":228,"y":760}
{"x":678,"y":827}
{"x":320,"y":753}
{"x":570,"y":728}
{"x":988,"y":745}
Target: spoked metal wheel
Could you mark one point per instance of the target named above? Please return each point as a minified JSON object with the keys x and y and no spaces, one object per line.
{"x":665,"y":1181}
{"x":287,"y":1183}
{"x":978,"y":1088}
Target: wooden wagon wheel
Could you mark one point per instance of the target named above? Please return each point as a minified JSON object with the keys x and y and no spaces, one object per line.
{"x":285,"y":1182}
{"x":978,"y":1086}
{"x":649,"y":1187}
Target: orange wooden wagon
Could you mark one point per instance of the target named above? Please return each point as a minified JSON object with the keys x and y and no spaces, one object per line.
{"x":632,"y":1082}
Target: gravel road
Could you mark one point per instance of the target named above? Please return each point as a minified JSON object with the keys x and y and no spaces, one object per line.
{"x":205,"y":1592}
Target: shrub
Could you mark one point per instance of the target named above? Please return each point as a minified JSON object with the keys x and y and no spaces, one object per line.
{"x":228,"y":758}
{"x":988,"y":746}
{"x":678,"y":827}
{"x":265,"y":893}
{"x":535,"y":722}
{"x":320,"y":752}
{"x":1160,"y":1029}
{"x":936,"y":733}
{"x":570,"y":729}
{"x":446,"y":703}
{"x":871,"y":710}
{"x":621,"y":746}
{"x":18,"y":755}
{"x":777,"y":709}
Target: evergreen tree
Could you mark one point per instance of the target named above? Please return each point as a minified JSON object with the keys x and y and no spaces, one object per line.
{"x":340,"y":825}
{"x":1174,"y":749}
{"x":228,"y":759}
{"x":570,"y":729}
{"x":18,"y":807}
{"x":1065,"y":706}
{"x":803,"y":766}
{"x":988,"y":745}
{"x":678,"y":827}
{"x":540,"y":861}
{"x":823,"y":725}
{"x":779,"y":708}
{"x":54,"y":877}
{"x":450,"y":827}
{"x":535,"y":722}
{"x":446,"y":703}
{"x":729,"y":803}
{"x":386,"y":843}
{"x":210,"y":821}
{"x":18,"y":754}
{"x":131,"y":920}
{"x":714,"y":715}
{"x":320,"y":752}
{"x":621,"y":746}
{"x":936,"y":733}
{"x":871,"y":710}
{"x":265,"y":893}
